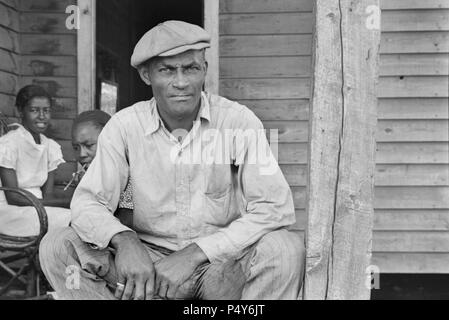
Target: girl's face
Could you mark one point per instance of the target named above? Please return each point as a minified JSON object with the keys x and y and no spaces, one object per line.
{"x":84,"y":142}
{"x":36,"y":115}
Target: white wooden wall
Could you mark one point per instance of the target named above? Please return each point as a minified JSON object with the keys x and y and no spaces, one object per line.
{"x":265,"y":50}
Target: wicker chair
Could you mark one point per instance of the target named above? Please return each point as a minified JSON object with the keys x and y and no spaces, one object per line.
{"x":19,"y":255}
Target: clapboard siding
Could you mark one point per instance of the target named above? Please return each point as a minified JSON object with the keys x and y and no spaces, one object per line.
{"x":412,"y":175}
{"x":9,"y":50}
{"x":265,"y":63}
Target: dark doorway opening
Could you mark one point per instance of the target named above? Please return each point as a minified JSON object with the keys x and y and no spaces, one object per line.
{"x":120,"y":25}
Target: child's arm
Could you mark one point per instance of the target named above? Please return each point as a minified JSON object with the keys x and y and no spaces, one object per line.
{"x":9,"y":180}
{"x":51,"y":199}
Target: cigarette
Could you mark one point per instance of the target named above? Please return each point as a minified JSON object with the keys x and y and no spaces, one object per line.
{"x":74,"y":175}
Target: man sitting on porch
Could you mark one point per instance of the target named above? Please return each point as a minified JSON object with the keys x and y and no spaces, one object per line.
{"x":210,"y":216}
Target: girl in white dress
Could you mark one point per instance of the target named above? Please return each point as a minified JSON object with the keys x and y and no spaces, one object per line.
{"x":28,"y":160}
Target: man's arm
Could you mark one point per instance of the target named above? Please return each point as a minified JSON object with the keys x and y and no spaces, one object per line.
{"x":266,"y":197}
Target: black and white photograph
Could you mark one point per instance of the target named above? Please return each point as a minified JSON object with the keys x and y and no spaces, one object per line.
{"x":236,"y":151}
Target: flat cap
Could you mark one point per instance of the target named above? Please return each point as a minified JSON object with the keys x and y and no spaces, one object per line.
{"x":168,"y":39}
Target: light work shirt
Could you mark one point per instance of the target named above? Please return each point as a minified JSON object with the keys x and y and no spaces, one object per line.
{"x":219,"y":187}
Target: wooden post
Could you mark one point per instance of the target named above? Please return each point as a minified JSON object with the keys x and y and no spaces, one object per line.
{"x":86,"y":55}
{"x":342,"y":149}
{"x":211,"y":25}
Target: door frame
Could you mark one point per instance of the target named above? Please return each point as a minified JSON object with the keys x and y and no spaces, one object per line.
{"x":86,"y":52}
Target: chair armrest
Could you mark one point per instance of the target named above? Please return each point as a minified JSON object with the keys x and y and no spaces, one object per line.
{"x":17,"y":243}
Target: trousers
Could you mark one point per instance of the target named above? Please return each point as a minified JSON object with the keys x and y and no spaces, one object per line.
{"x":272,"y":268}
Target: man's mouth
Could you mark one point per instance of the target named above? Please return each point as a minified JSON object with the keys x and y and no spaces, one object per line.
{"x":181,"y":97}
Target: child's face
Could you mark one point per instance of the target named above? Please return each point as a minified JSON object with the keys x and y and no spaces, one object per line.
{"x":84,"y":142}
{"x":36,"y":115}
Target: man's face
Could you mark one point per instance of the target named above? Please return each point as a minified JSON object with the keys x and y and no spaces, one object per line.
{"x":84,"y":142}
{"x":177,"y":82}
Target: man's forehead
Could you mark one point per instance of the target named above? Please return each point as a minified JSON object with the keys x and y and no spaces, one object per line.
{"x":184,"y":58}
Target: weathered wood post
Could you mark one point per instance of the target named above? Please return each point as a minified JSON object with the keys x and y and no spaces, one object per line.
{"x":342,"y":149}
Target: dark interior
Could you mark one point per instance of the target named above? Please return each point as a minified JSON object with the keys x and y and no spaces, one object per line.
{"x":120,"y":25}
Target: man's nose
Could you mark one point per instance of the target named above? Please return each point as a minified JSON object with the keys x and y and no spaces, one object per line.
{"x":180,"y":80}
{"x":83,"y":152}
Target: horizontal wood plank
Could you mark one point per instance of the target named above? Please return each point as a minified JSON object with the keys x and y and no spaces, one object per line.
{"x":9,"y":62}
{"x":44,"y":23}
{"x":412,"y":153}
{"x":413,"y":4}
{"x":292,"y":153}
{"x":271,"y":23}
{"x":413,"y":108}
{"x":296,"y":175}
{"x":415,"y":42}
{"x":272,"y":45}
{"x":265,"y":88}
{"x":412,"y":175}
{"x":265,"y":67}
{"x":406,"y":87}
{"x":424,"y":64}
{"x":415,"y":20}
{"x":288,"y":131}
{"x":279,"y":109}
{"x":240,"y":6}
{"x":412,"y":197}
{"x":46,"y":5}
{"x":61,"y":87}
{"x":8,"y":83}
{"x":411,"y":220}
{"x":9,"y":40}
{"x":60,"y":129}
{"x":423,"y":263}
{"x":410,"y":241}
{"x":49,"y":45}
{"x":299,"y":197}
{"x":14,"y":4}
{"x":45,"y":66}
{"x":412,"y":130}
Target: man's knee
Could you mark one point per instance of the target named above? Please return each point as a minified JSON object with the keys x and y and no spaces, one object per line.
{"x":283,"y":247}
{"x":54,"y":247}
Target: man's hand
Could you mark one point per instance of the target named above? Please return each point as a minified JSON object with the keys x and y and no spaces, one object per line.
{"x":135,"y":269}
{"x":175,"y":269}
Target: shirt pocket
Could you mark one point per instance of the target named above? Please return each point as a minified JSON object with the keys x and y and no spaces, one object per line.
{"x":217,"y":193}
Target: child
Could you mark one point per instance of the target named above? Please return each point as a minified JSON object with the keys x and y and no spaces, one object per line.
{"x":28,"y":160}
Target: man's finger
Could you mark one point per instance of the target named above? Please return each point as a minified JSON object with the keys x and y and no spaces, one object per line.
{"x":120,"y":287}
{"x":139,"y":293}
{"x":171,"y":292}
{"x":149,"y":288}
{"x":129,"y":288}
{"x":163,"y":290}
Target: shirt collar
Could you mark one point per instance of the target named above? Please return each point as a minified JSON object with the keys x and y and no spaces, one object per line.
{"x":155,"y":121}
{"x":27,"y":135}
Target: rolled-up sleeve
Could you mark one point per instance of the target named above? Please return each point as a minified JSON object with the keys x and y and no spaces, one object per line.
{"x":96,"y":197}
{"x":266,"y":197}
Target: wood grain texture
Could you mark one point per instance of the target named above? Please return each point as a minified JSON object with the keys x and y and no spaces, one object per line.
{"x":418,"y":87}
{"x":46,"y":5}
{"x":9,"y":40}
{"x":411,"y":220}
{"x":412,"y":175}
{"x":9,"y":62}
{"x":7,"y":104}
{"x":240,"y":6}
{"x":415,"y":42}
{"x":424,"y":64}
{"x":415,"y":20}
{"x":292,"y":153}
{"x":412,"y":153}
{"x":411,"y":241}
{"x":48,"y":45}
{"x":414,"y":108}
{"x":48,"y":66}
{"x":424,"y":263}
{"x":13,"y":4}
{"x":236,"y":89}
{"x":342,"y":152}
{"x":270,"y":23}
{"x":279,"y":109}
{"x":413,"y":4}
{"x":44,"y":23}
{"x":60,"y":87}
{"x":8,"y":83}
{"x":412,"y":197}
{"x":412,"y":130}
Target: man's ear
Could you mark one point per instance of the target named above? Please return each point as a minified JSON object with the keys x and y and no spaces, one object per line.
{"x":144,"y":73}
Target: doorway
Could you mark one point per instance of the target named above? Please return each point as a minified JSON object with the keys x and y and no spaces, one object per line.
{"x":119,"y":26}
